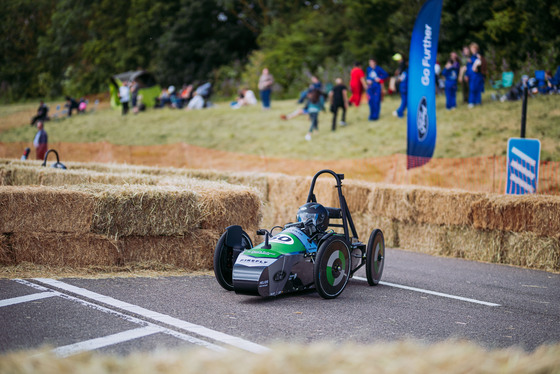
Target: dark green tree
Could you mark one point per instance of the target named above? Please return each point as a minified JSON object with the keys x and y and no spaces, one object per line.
{"x":22,"y":22}
{"x":201,"y":38}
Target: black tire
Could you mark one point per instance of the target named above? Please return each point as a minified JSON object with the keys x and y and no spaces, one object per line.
{"x":332,"y":267}
{"x":223,"y":260}
{"x":375,"y":257}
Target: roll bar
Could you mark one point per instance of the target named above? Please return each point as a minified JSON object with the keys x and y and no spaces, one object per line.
{"x":346,"y":216}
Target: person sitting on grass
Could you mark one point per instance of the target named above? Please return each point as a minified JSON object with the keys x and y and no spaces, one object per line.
{"x":42,"y":113}
{"x":245,"y":97}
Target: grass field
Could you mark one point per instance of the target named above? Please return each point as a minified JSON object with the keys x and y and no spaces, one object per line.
{"x":464,"y":132}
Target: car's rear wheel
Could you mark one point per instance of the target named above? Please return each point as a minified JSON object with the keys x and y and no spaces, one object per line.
{"x":332,"y":267}
{"x":224,"y":258}
{"x":375,"y":257}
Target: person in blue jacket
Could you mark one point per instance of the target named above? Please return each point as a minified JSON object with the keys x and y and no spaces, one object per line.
{"x":451,"y":72}
{"x":476,"y":76}
{"x":403,"y":89}
{"x":374,"y":78}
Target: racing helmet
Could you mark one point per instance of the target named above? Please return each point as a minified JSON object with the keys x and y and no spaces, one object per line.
{"x":316,"y":212}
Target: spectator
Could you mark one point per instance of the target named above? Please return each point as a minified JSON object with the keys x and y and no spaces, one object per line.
{"x":403,"y":88}
{"x":245,"y":97}
{"x":357,"y":84}
{"x":174,"y":100}
{"x":464,"y":72}
{"x":315,"y":85}
{"x":197,"y":102}
{"x":40,"y":142}
{"x":477,"y":76}
{"x":82,"y":105}
{"x":124,"y":96}
{"x":374,"y":76}
{"x":266,"y":81}
{"x":163,"y":98}
{"x":25,"y":154}
{"x":71,"y":104}
{"x":186,"y":94}
{"x":314,"y":106}
{"x":134,"y":96}
{"x":451,"y":73}
{"x":338,"y":98}
{"x":42,"y":113}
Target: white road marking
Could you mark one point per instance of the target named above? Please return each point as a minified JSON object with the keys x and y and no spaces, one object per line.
{"x":126,"y":317}
{"x":121,"y":337}
{"x":432,"y":293}
{"x":162,"y":318}
{"x":27,"y":298}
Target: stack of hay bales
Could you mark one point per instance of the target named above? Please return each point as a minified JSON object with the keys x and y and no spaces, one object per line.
{"x":516,"y":230}
{"x":69,"y":223}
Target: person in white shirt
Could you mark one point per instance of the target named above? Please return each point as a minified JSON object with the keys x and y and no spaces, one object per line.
{"x":124,"y":96}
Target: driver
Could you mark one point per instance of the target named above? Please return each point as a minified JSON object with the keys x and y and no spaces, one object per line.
{"x":317,"y":213}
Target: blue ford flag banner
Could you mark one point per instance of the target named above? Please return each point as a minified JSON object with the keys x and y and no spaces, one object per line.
{"x":421,"y":101}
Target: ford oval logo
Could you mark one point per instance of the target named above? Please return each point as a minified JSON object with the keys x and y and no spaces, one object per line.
{"x":422,"y":119}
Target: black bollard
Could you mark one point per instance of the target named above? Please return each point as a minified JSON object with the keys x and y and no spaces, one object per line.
{"x":524,"y":110}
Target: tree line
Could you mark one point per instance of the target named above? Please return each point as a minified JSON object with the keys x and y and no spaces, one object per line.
{"x":71,"y":47}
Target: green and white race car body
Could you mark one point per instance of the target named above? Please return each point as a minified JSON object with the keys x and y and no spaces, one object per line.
{"x":284,"y":267}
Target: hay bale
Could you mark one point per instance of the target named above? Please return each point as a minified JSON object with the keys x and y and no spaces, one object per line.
{"x":61,"y":249}
{"x":285,"y":195}
{"x":474,"y":244}
{"x":223,"y":204}
{"x":44,"y":209}
{"x":41,"y":176}
{"x":226,"y":207}
{"x":423,"y":238}
{"x":443,"y":207}
{"x":532,"y":213}
{"x":5,"y":176}
{"x":358,"y":195}
{"x":393,"y":202}
{"x":446,"y":357}
{"x":138,"y":210}
{"x":366,"y":223}
{"x":532,"y":251}
{"x":194,"y":251}
{"x":6,"y":257}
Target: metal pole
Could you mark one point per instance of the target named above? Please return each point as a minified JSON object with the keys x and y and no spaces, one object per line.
{"x":524,"y":110}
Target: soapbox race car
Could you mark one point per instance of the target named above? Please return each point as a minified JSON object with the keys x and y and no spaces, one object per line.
{"x":304,"y":254}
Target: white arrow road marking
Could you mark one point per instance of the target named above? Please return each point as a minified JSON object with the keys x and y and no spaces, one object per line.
{"x":159,"y":317}
{"x":178,"y":335}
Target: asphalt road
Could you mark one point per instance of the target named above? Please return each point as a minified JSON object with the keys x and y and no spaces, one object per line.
{"x":442,"y":298}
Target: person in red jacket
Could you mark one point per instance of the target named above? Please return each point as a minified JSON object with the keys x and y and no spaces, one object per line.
{"x":357,"y":84}
{"x":41,"y":141}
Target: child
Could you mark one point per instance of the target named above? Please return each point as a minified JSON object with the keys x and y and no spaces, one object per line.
{"x":338,"y":98}
{"x":315,"y":103}
{"x":451,"y":72}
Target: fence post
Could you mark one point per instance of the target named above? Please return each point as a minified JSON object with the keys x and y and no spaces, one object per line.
{"x":493,"y":172}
